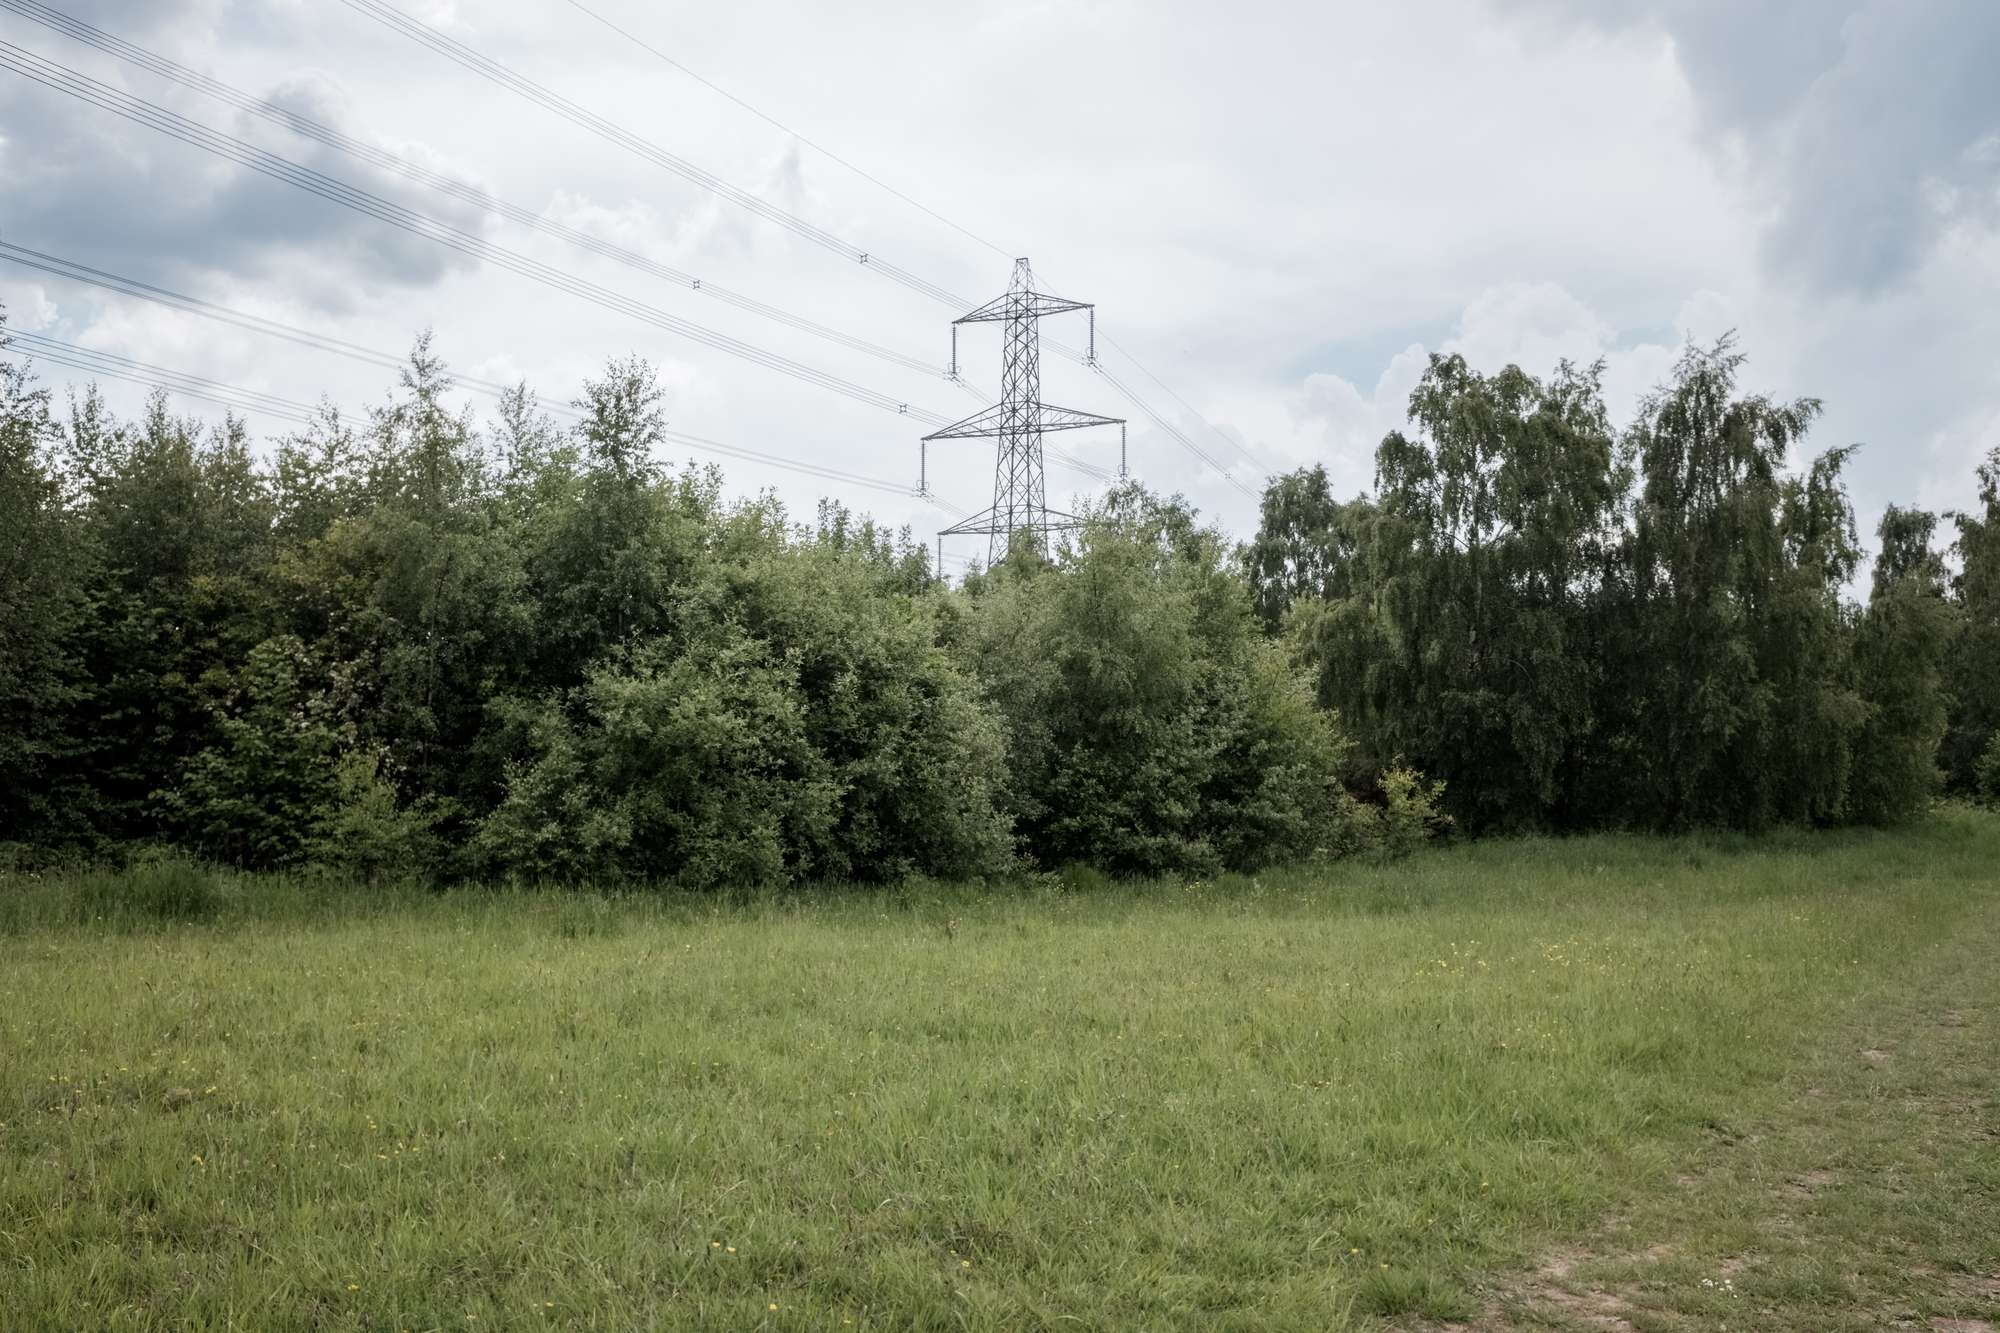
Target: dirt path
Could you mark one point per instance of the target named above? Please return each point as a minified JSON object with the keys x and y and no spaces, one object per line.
{"x":1872,"y":1203}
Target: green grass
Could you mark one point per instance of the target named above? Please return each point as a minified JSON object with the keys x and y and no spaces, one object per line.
{"x":1301,"y":1101}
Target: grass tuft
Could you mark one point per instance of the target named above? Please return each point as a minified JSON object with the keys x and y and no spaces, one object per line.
{"x":290,"y":1102}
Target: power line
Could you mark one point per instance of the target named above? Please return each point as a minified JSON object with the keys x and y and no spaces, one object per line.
{"x":1230,"y":442}
{"x":1178,"y":435}
{"x":1075,"y":464}
{"x":109,"y":365}
{"x":822,"y":151}
{"x":53,"y":75}
{"x":1175,"y":432}
{"x":1189,"y":408}
{"x":495,"y":72}
{"x":95,"y":277}
{"x":499,"y":74}
{"x":796,"y":465}
{"x":112,"y":365}
{"x":463,"y":191}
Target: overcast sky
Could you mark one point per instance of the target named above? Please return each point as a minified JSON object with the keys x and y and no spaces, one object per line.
{"x":1279,"y":209}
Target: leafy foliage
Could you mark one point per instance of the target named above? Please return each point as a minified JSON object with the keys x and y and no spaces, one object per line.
{"x":419,"y":646}
{"x":1988,"y":775}
{"x":1455,"y":631}
{"x":1573,"y":629}
{"x":42,"y":600}
{"x":1900,"y":657}
{"x":257,"y":794}
{"x":1973,"y":670}
{"x":1152,"y":726}
{"x":794,"y":725}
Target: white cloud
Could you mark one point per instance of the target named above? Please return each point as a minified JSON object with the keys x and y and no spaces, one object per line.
{"x":29,"y":309}
{"x":1279,"y":207}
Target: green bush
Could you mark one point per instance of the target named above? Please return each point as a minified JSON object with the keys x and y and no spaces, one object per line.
{"x":1353,"y":827}
{"x":802,"y":724}
{"x":369,"y":833}
{"x":256,"y":794}
{"x":1412,"y":812}
{"x":1150,"y":725}
{"x":1989,"y":773}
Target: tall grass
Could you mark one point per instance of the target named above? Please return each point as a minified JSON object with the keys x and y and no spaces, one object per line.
{"x":1294,"y":1100}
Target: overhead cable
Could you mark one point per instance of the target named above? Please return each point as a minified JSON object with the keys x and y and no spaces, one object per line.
{"x":817,"y":148}
{"x":96,"y":277}
{"x":1073,"y":354}
{"x":111,"y":365}
{"x":495,"y":72}
{"x":463,"y":191}
{"x":56,"y":76}
{"x":499,"y":74}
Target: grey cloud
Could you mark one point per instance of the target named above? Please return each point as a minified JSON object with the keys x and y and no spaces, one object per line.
{"x":100,"y":189}
{"x":1749,"y":64}
{"x":1852,"y":111}
{"x":131,"y":18}
{"x":1916,"y":91}
{"x":191,"y":23}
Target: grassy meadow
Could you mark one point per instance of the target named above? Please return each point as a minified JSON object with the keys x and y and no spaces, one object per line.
{"x":1599,"y":1083}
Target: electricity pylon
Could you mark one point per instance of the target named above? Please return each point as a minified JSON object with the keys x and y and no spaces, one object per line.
{"x":1017,"y":421}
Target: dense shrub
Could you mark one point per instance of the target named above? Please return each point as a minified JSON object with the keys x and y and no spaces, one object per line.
{"x":1412,"y":812}
{"x":1988,"y":773}
{"x":798,"y":724}
{"x":371,"y":835}
{"x":1900,"y":648}
{"x":1151,"y":726}
{"x":258,"y":792}
{"x":43,"y":589}
{"x":418,"y":646}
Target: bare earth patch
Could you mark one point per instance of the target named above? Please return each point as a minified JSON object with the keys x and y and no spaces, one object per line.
{"x":1553,"y":1290}
{"x":1913,"y":1125}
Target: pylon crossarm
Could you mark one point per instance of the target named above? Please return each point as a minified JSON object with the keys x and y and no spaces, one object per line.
{"x":1019,"y":420}
{"x":1016,"y":305}
{"x":980,"y":524}
{"x":998,"y":420}
{"x":986,"y":421}
{"x":986,"y":525}
{"x":1068,"y":418}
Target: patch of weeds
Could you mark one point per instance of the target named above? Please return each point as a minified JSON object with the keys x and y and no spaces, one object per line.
{"x":1389,"y":1292}
{"x":588,"y":916}
{"x":159,"y":889}
{"x":1082,"y":878}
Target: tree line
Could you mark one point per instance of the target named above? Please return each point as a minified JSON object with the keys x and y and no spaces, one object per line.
{"x":1575,"y":627}
{"x":417,"y":644}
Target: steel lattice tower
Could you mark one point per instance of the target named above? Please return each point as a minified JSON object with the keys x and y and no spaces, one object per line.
{"x":1019,"y":419}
